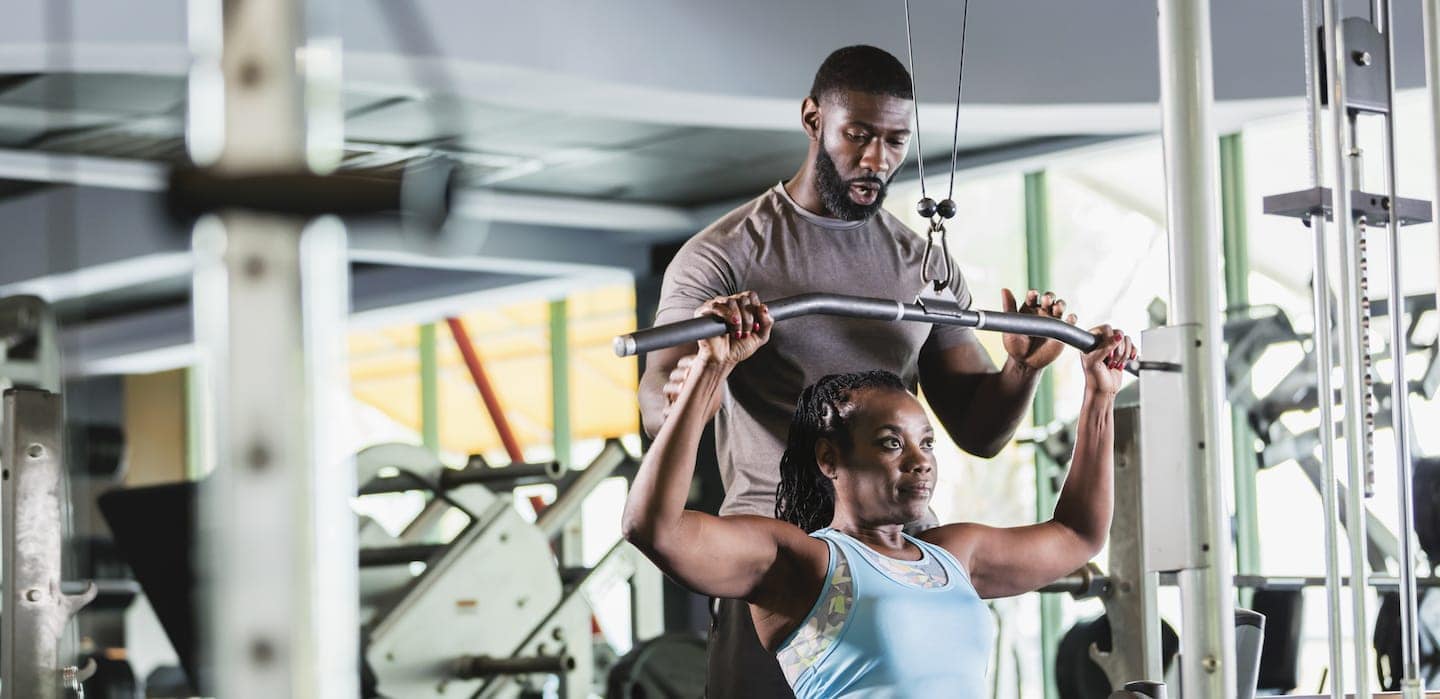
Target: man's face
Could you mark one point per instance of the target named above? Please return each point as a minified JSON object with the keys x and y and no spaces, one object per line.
{"x":863,"y":139}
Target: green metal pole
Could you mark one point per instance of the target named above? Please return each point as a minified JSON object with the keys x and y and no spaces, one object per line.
{"x":1237,"y":294}
{"x":197,"y":432}
{"x":560,"y":378}
{"x":429,"y":389}
{"x":1037,"y":275}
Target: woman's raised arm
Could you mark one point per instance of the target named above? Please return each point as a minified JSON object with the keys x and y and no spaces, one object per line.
{"x":1014,"y":560}
{"x":718,"y":556}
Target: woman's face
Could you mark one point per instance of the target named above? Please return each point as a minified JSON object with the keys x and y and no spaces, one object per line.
{"x":888,"y":474}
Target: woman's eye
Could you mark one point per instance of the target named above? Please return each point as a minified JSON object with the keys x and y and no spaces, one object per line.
{"x":927,"y":444}
{"x":891,"y":443}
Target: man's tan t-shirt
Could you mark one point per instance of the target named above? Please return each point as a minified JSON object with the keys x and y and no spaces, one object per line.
{"x":775,"y":248}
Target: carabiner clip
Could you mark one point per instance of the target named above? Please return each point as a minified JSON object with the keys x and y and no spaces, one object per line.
{"x":937,"y":225}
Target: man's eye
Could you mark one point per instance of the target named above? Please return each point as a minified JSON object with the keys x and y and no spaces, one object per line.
{"x":859,"y":137}
{"x":898,"y":143}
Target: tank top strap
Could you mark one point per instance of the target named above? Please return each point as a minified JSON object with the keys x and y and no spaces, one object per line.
{"x":848,"y":545}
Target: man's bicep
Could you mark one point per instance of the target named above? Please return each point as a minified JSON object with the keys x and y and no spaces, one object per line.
{"x":951,"y":351}
{"x":950,"y":373}
{"x":699,"y":272}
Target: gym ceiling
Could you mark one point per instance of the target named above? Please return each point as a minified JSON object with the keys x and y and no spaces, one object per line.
{"x":588,"y":131}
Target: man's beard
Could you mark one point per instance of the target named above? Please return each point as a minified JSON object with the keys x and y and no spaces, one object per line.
{"x":835,"y":192}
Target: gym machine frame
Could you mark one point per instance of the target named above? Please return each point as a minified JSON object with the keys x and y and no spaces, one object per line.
{"x":36,"y":607}
{"x":402,"y":637}
{"x":1353,"y":71}
{"x":271,"y":294}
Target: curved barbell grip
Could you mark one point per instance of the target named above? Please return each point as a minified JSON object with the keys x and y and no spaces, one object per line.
{"x":932,"y":311}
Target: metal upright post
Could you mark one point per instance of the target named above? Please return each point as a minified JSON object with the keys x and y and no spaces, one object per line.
{"x":277,"y":535}
{"x":1432,"y":81}
{"x":1192,"y":205}
{"x":1351,"y":340}
{"x":1410,"y":683}
{"x":1037,"y":276}
{"x":429,"y":389}
{"x":1237,"y":295}
{"x":1323,"y":341}
{"x":560,"y":378}
{"x":36,"y":612}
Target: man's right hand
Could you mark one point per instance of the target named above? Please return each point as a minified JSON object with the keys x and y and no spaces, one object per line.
{"x":675,"y":382}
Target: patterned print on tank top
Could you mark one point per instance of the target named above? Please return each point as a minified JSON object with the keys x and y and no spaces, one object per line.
{"x":925,"y":573}
{"x":820,"y":631}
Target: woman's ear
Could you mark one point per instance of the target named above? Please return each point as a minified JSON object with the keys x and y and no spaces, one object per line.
{"x":827,"y":457}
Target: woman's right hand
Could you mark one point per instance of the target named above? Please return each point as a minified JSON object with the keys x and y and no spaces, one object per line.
{"x":1105,"y":365}
{"x":747,"y":327}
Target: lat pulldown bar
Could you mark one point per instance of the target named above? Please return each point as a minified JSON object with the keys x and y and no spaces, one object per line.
{"x":935,"y":311}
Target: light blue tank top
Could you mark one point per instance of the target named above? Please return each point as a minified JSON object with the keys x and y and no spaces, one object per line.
{"x":897,"y":637}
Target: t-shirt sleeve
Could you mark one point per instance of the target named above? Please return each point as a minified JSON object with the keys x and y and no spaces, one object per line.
{"x":943,"y":337}
{"x":699,"y":272}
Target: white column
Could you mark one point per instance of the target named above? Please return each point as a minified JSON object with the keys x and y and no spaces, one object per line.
{"x":1193,"y":213}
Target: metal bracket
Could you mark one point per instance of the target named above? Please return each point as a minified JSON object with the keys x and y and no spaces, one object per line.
{"x":1172,"y":451}
{"x":1373,"y":208}
{"x":1130,"y":592}
{"x":29,"y":348}
{"x":1367,"y":68}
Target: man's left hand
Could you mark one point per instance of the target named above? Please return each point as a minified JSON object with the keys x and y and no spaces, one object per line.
{"x":1034,"y":353}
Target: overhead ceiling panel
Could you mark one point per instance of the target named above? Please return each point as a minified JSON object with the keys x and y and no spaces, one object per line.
{"x":405,"y":121}
{"x":561,"y":131}
{"x":725,"y":145}
{"x":128,"y":94}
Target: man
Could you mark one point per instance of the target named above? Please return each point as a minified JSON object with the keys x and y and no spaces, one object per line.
{"x":824,"y":231}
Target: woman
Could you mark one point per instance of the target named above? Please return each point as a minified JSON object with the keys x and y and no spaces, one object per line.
{"x":849,"y":603}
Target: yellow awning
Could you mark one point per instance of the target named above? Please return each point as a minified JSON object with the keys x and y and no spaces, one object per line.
{"x":513,"y":343}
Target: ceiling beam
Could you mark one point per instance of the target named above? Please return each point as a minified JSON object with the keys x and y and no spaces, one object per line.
{"x":479,"y":205}
{"x":575,"y":212}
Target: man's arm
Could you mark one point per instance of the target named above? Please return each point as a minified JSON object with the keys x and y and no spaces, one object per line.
{"x":700,"y":271}
{"x":979,"y":407}
{"x":665,"y":371}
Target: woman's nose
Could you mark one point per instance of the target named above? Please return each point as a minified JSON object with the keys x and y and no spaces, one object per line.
{"x":920,"y":461}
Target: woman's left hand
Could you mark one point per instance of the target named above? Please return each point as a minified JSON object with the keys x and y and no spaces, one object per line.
{"x":1105,"y":365}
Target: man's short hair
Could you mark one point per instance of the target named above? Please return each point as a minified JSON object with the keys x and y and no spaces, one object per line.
{"x":862,"y":68}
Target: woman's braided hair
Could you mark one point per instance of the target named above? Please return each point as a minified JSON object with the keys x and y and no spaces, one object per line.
{"x":805,"y":496}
